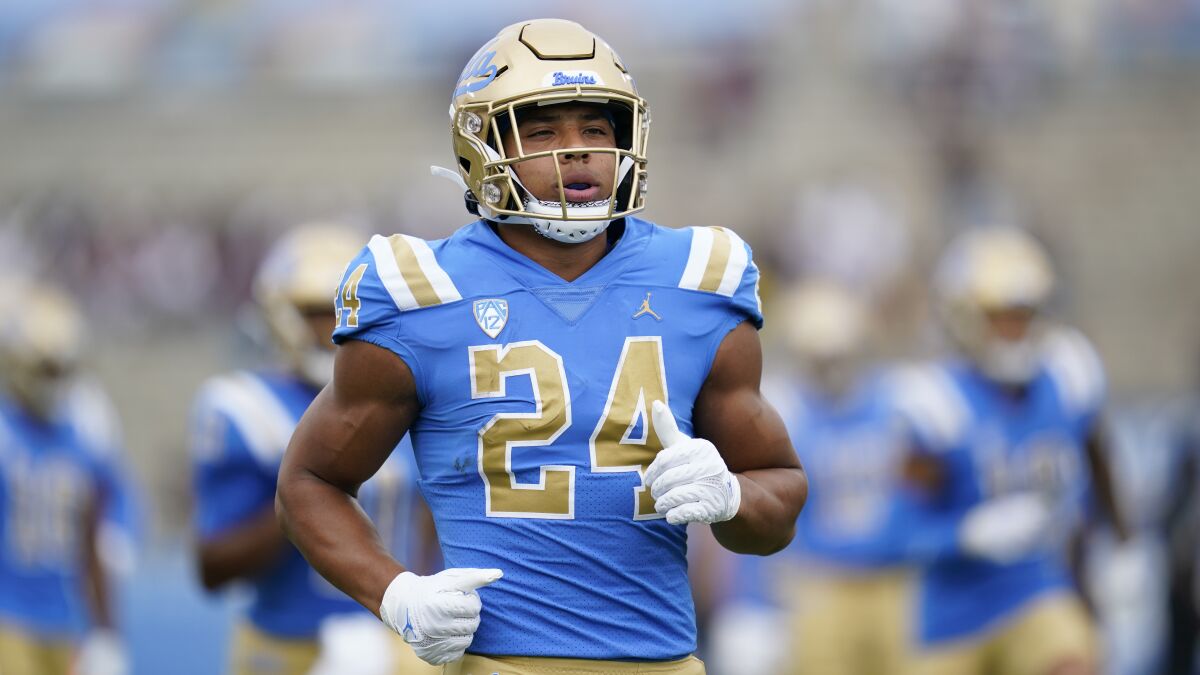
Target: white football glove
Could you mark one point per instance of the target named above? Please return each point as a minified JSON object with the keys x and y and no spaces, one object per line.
{"x":354,"y":644}
{"x":102,"y":653}
{"x":1006,"y":529}
{"x":437,"y":615}
{"x":1123,"y":576}
{"x":688,"y":479}
{"x":748,"y":640}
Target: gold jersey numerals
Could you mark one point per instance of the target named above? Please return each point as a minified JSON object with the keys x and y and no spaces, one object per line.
{"x":640,"y":378}
{"x":349,"y":294}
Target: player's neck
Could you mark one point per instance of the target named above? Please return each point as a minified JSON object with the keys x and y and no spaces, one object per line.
{"x":569,"y":261}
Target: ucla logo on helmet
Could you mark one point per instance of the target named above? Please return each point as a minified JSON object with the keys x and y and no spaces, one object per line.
{"x":480,"y":66}
{"x":491,"y":315}
{"x":565,"y":78}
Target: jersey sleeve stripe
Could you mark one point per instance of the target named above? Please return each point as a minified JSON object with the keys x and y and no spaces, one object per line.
{"x":1074,"y":365}
{"x":443,"y":287}
{"x":718,"y":260}
{"x":256,"y":413}
{"x":736,"y":266}
{"x":702,"y":241}
{"x":389,"y":273}
{"x":928,"y":399}
{"x":716,"y":263}
{"x":412,"y":272}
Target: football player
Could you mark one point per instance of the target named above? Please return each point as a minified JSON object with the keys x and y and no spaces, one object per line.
{"x":580,"y":385}
{"x":1010,"y":455}
{"x":842,"y":585}
{"x":297,"y":623}
{"x":62,"y":477}
{"x":849,"y":591}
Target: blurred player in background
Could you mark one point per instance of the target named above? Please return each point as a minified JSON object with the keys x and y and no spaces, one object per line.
{"x":297,"y":623}
{"x":841,"y":585}
{"x":62,"y":486}
{"x":1010,"y":454}
{"x":580,"y":385}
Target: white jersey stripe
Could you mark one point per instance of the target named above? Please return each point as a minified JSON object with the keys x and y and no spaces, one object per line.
{"x":259,"y":416}
{"x":930,"y":402}
{"x":702,"y":243}
{"x":389,"y":273}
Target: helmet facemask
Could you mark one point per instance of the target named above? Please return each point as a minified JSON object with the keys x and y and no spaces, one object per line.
{"x":506,"y":199}
{"x":1009,"y":357}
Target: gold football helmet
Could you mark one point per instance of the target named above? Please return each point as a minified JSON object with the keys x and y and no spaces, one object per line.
{"x":41,"y":341}
{"x":827,"y":328}
{"x":538,"y":63}
{"x":990,"y":278}
{"x":295,"y":284}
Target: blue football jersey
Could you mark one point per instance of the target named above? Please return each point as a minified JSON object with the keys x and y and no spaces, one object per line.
{"x":851,"y":450}
{"x":241,"y":424}
{"x":534,"y":428}
{"x":51,"y":471}
{"x":992,"y":444}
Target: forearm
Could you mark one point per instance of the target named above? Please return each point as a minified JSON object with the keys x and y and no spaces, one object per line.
{"x":1098,"y":452}
{"x":766,"y":521}
{"x":95,"y":581}
{"x":335,"y":536}
{"x":246,"y":550}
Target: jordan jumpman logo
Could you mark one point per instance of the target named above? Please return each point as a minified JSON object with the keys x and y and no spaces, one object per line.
{"x":645,"y":309}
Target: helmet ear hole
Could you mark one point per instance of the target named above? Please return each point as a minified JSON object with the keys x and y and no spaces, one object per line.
{"x":465,"y":164}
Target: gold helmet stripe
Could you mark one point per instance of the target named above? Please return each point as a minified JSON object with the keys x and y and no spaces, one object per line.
{"x":410,"y":272}
{"x":717,"y":261}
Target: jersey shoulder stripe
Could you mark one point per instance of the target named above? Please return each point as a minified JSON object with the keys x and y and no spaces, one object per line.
{"x":94,"y":418}
{"x":717,"y":261}
{"x":410,"y":272}
{"x":927,"y":397}
{"x":259,"y":417}
{"x":1076,"y":370}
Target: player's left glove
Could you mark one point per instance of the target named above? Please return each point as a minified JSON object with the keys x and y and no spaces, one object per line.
{"x":688,"y":479}
{"x":101,"y":653}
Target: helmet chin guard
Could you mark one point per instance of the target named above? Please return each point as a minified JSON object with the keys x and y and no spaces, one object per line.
{"x":584,"y":220}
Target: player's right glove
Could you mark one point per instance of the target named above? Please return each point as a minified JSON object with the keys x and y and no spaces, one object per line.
{"x":1005,"y":529}
{"x":102,"y":653}
{"x":437,"y":615}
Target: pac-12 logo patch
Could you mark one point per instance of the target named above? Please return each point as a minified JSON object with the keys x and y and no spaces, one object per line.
{"x":491,"y":315}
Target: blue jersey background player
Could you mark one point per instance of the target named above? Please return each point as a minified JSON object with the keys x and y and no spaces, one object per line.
{"x":552,"y":362}
{"x":1008,"y":456}
{"x":62,"y":482}
{"x":241,"y":425}
{"x":837,"y":600}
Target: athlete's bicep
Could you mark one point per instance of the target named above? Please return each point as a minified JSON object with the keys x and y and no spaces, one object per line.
{"x":732,"y":412}
{"x":357,"y":420}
